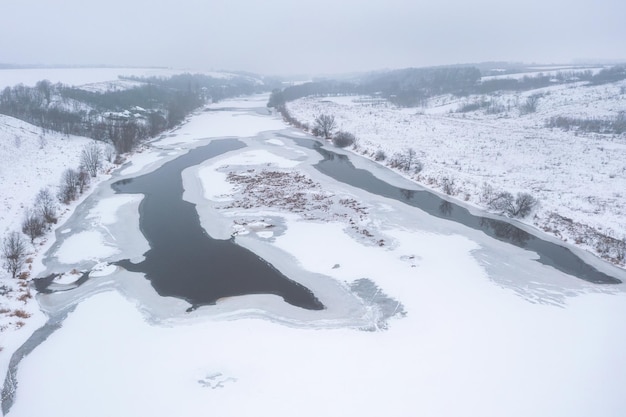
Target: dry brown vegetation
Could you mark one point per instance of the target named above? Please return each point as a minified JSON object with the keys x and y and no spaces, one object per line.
{"x":295,"y":192}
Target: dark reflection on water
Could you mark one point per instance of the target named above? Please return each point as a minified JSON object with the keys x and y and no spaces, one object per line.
{"x":340,"y":168}
{"x":445,"y":208}
{"x":183,"y":260}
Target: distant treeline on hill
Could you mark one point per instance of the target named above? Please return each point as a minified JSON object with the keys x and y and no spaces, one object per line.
{"x":412,"y":86}
{"x":123,"y":117}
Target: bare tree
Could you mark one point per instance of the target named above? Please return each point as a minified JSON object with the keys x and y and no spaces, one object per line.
{"x":518,"y":206}
{"x":324,"y":125}
{"x":33,"y":225}
{"x":45,"y":89}
{"x":91,"y":158}
{"x":46,"y":205}
{"x":69,"y":186}
{"x":524,"y":203}
{"x":502,"y":202}
{"x":109,"y":153}
{"x":83,"y":181}
{"x":13,"y":253}
{"x":486,"y":193}
{"x":42,"y":140}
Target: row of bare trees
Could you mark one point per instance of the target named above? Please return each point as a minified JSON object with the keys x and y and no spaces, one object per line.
{"x":36,"y":222}
{"x":44,"y":213}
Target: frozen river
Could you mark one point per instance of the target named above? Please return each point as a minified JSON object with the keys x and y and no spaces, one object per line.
{"x":418,"y":308}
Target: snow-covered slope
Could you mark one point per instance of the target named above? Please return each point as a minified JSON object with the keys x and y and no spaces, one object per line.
{"x":487,"y":331}
{"x":29,"y":161}
{"x":579,"y":178}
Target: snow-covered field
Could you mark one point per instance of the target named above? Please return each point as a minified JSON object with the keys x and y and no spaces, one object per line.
{"x":93,"y":79}
{"x":477,"y":326}
{"x":579,"y":179}
{"x":29,"y":161}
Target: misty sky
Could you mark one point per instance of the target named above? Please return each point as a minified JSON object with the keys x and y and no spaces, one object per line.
{"x":308,"y":36}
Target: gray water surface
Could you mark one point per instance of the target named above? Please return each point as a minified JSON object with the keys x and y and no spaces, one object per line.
{"x":339,"y":167}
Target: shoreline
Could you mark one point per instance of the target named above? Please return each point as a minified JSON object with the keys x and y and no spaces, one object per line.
{"x":441,"y":273}
{"x":586,"y":235}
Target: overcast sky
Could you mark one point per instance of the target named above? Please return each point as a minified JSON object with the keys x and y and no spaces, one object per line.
{"x":308,"y":36}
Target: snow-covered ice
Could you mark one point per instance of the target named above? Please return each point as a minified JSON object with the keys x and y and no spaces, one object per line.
{"x":485,"y":330}
{"x":84,"y":245}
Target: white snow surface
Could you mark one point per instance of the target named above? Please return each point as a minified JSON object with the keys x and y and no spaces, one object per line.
{"x":106,"y":210}
{"x":84,"y":245}
{"x":488,"y":331}
{"x":74,"y":76}
{"x":581,"y":177}
{"x":29,"y":161}
{"x":92,"y":79}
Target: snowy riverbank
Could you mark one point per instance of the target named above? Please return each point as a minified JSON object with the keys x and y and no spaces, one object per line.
{"x":474,"y":319}
{"x":578,"y":178}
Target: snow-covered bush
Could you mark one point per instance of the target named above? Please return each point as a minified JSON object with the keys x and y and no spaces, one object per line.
{"x":406,"y":161}
{"x":342,"y":139}
{"x":530,"y":105}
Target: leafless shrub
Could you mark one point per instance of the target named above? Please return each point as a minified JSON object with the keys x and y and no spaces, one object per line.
{"x":494,"y":107}
{"x":4,"y":290}
{"x":406,"y":161}
{"x":530,"y":105}
{"x":109,"y":153}
{"x":380,"y":155}
{"x":20,"y":313}
{"x":42,"y":141}
{"x":25,"y":297}
{"x":486,"y":193}
{"x":616,"y":125}
{"x":342,"y":139}
{"x":448,"y":186}
{"x":469,"y":107}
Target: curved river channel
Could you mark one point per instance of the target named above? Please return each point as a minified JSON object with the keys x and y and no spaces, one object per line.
{"x":182,"y":260}
{"x":185,"y":262}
